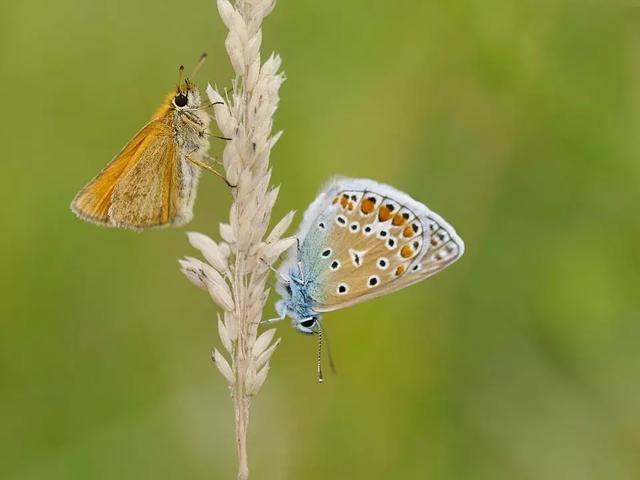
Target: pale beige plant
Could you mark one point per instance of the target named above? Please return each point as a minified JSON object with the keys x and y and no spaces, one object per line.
{"x":236,"y":269}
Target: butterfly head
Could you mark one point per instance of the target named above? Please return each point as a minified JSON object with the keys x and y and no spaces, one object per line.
{"x":186,"y":95}
{"x":307,"y":325}
{"x":185,"y":99}
{"x":295,"y":303}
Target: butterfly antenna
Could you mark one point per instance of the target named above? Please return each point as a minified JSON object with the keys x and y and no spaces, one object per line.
{"x":322,"y":335}
{"x":320,"y":376}
{"x":195,"y":70}
{"x":180,"y":76}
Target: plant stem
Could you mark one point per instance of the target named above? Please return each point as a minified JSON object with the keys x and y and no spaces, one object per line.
{"x":242,"y":423}
{"x":240,"y":398}
{"x":235,"y":273}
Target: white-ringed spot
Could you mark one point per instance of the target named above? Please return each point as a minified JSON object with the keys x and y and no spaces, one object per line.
{"x":325,"y":253}
{"x":335,"y":265}
{"x":383,"y":263}
{"x":354,"y":227}
{"x":342,"y":289}
{"x":373,"y":281}
{"x":357,"y":258}
{"x":341,"y":220}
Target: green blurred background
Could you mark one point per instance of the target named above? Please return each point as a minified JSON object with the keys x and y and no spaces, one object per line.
{"x":517,"y":121}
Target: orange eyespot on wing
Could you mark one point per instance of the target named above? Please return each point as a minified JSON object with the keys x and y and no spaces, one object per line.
{"x":151,"y":145}
{"x":368,"y":205}
{"x":384,"y":214}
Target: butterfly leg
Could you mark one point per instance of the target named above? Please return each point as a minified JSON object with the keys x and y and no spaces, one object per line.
{"x":216,"y":136}
{"x":283,"y":315}
{"x":300,"y":269}
{"x":201,"y":107}
{"x":212,"y":104}
{"x":211,"y":159}
{"x":283,"y":277}
{"x":221,"y":138}
{"x":272,"y":320}
{"x":198,"y":127}
{"x":209,"y":168}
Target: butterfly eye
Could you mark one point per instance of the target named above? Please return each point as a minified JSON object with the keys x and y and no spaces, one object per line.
{"x":180,"y":100}
{"x":308,"y":323}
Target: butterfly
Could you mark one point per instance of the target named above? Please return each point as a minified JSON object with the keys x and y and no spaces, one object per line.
{"x":360,"y":239}
{"x":152,"y":182}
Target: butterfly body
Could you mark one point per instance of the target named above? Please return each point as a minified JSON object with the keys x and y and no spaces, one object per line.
{"x":358,"y":240}
{"x":153,"y":180}
{"x":299,"y":304}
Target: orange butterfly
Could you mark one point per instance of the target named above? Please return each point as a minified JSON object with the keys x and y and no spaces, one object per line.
{"x":152,"y":182}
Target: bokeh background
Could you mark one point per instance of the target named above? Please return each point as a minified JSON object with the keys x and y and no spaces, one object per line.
{"x":516,"y":120}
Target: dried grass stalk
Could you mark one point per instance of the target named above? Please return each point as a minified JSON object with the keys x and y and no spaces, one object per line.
{"x":236,"y":269}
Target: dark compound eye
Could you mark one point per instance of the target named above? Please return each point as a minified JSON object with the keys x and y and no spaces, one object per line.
{"x":180,"y":100}
{"x":308,"y":323}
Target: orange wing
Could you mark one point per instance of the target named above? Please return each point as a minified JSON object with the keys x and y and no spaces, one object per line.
{"x":95,"y":200}
{"x":148,"y":195}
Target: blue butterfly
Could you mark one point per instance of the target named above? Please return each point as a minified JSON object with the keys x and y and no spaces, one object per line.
{"x":360,"y":239}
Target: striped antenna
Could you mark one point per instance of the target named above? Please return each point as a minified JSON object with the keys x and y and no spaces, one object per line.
{"x":320,"y":376}
{"x":180,"y":76}
{"x":322,"y":335}
{"x":196,"y":69}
